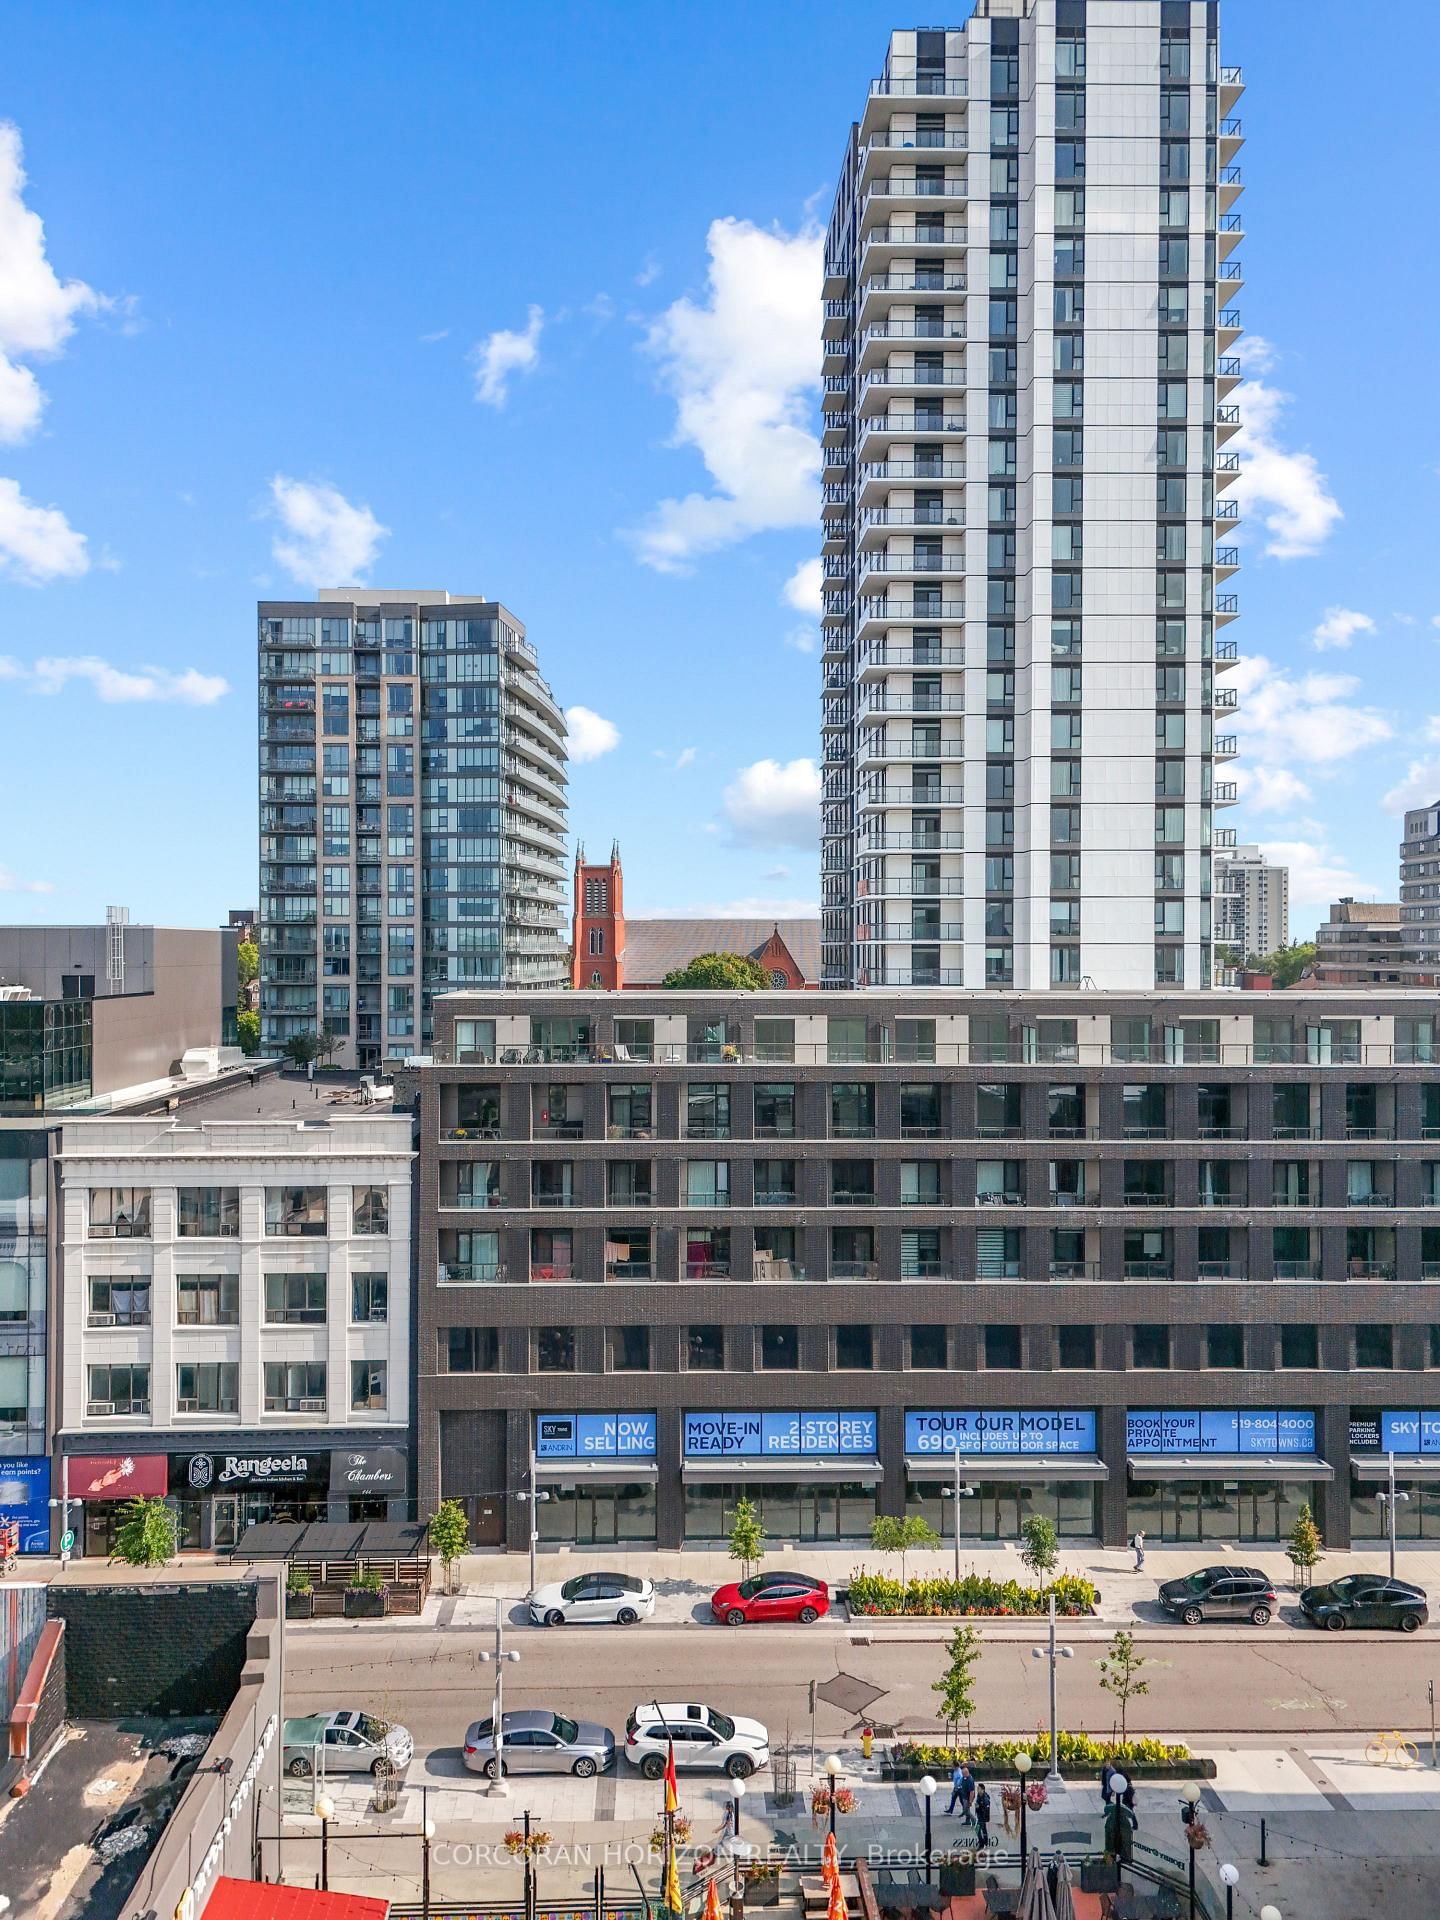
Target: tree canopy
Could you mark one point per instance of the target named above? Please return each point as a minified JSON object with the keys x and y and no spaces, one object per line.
{"x":1286,"y":964}
{"x":722,"y":972}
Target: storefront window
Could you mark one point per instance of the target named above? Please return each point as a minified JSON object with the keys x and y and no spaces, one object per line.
{"x":1200,"y":1510}
{"x":802,"y":1511}
{"x":997,"y":1510}
{"x":598,"y":1515}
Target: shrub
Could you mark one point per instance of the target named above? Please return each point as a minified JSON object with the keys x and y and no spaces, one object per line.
{"x":973,"y":1593}
{"x":298,"y":1580}
{"x":1077,"y":1750}
{"x":367,"y":1580}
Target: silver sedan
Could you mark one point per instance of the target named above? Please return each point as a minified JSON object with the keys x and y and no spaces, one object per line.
{"x":539,"y":1742}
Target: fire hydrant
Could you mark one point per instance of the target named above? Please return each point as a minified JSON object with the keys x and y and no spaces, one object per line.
{"x":867,"y":1741}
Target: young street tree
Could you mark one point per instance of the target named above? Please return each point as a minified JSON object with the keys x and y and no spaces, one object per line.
{"x":449,"y":1534}
{"x":747,"y":1538}
{"x":956,"y":1686}
{"x":146,"y":1534}
{"x":1120,"y":1674}
{"x":893,"y":1533}
{"x":720,"y":972}
{"x":1304,"y":1547}
{"x":1040,"y":1546}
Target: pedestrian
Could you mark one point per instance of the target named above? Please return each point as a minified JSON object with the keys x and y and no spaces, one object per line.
{"x":961,"y":1788}
{"x":1139,"y":1545}
{"x":967,"y":1796}
{"x":982,"y":1815}
{"x":1127,"y":1800}
{"x":1105,"y":1788}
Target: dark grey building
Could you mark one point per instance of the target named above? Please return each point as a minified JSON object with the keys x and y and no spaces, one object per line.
{"x":1140,"y":1261}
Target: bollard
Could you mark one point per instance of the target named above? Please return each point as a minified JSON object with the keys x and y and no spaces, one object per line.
{"x":1263,"y":1861}
{"x":867,"y":1741}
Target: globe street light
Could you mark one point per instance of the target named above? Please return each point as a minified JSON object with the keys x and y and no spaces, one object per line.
{"x":1269,"y":1913}
{"x":928,"y":1785}
{"x":1053,"y":1778}
{"x":325,"y":1807}
{"x":833,"y":1767}
{"x":1190,"y":1794}
{"x":1229,"y":1875}
{"x":737,"y":1793}
{"x":1023,"y":1764}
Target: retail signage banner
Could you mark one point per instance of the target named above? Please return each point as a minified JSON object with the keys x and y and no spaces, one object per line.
{"x":25,"y":1498}
{"x":1005,"y":1430}
{"x":375,"y":1471}
{"x":1406,"y":1431}
{"x":117,"y":1476}
{"x":195,"y":1474}
{"x":755,"y":1436}
{"x":1196,"y":1430}
{"x":595,"y":1436}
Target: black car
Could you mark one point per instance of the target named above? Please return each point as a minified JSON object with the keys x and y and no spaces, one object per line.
{"x":1220,"y":1593}
{"x":1365,"y":1600}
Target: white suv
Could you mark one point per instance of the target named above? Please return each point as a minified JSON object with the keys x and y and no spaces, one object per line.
{"x":702,"y":1737}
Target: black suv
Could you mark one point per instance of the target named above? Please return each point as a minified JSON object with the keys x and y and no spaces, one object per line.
{"x":1220,"y":1593}
{"x":1365,"y":1600}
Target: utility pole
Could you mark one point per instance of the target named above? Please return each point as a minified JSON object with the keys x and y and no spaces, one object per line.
{"x":1388,"y":1500}
{"x":958,"y":1493}
{"x":531,"y":1500}
{"x":497,"y":1789}
{"x":1056,"y":1654}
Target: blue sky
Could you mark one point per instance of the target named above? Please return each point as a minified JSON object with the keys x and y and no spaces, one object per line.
{"x":462,"y":295}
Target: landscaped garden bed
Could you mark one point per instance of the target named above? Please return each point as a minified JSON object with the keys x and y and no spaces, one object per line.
{"x":878,"y":1596}
{"x":1080,"y":1753}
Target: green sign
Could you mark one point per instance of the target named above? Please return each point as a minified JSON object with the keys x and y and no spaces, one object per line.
{"x":67,"y":1540}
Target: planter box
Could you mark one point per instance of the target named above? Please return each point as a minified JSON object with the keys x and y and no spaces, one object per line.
{"x":1099,"y":1876}
{"x":1197,"y":1767}
{"x":300,"y":1606}
{"x":361,"y":1604}
{"x":957,"y":1876}
{"x":763,"y":1893}
{"x":883,"y":1620}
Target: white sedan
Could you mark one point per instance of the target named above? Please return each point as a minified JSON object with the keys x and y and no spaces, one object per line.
{"x":701,"y":1736}
{"x":616,"y":1597}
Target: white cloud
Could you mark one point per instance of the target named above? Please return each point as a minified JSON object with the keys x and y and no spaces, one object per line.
{"x":1307,"y":718}
{"x":1270,"y":789}
{"x":326,"y":541}
{"x":37,"y":309}
{"x":743,"y":368}
{"x":503,"y":354}
{"x":1318,"y":875}
{"x":770,"y":805}
{"x":1286,"y":491}
{"x":776,"y":873}
{"x":588,"y":735}
{"x":650,"y":272}
{"x":12,"y":883}
{"x":801,"y":639}
{"x":685,"y":758}
{"x":1339,"y":627}
{"x":118,"y":686}
{"x":37,"y":543}
{"x":803,"y":588}
{"x":1420,"y":787}
{"x":750,"y":907}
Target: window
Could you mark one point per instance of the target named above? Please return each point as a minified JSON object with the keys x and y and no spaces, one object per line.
{"x":845,"y":1040}
{"x":919,"y":1183}
{"x":630,"y":1349}
{"x":775,"y":1111}
{"x":295,"y":1299}
{"x":372,"y":1210}
{"x":207,"y":1299}
{"x":854,"y":1348}
{"x":628,"y":1183}
{"x":207,"y":1386}
{"x":555,"y":1349}
{"x":369,"y":1298}
{"x":707,"y":1110}
{"x":852,"y":1183}
{"x":1075,"y":1347}
{"x":705,"y":1349}
{"x":295,"y":1210}
{"x":707,"y":1183}
{"x":927,"y":1349}
{"x":631,"y":1112}
{"x":207,"y":1213}
{"x":367,"y":1386}
{"x":1150,"y":1347}
{"x":118,"y":1390}
{"x":120,"y":1213}
{"x":1374,"y":1346}
{"x":121,"y":1302}
{"x":1002,"y":1347}
{"x":780,"y":1348}
{"x":1225,"y":1346}
{"x":469,"y":1350}
{"x":914,"y":1041}
{"x":294,"y":1386}
{"x":852,"y":1110}
{"x":1299,"y":1347}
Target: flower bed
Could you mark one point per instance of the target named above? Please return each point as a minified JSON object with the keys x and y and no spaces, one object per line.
{"x":880,"y":1594}
{"x":1080,"y":1752}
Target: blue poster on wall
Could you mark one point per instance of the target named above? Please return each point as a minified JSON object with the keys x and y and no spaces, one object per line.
{"x":25,"y":1497}
{"x":1000,"y":1431}
{"x":775,"y":1435}
{"x":1186,"y":1430}
{"x":1411,"y":1431}
{"x":594,"y":1436}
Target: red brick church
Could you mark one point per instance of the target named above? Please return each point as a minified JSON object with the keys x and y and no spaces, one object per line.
{"x":613,"y":954}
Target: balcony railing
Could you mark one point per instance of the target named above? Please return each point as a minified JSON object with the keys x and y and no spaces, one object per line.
{"x":471,"y":1275}
{"x":924,"y":86}
{"x":924,"y":139}
{"x":707,"y":1269}
{"x":629,"y":1270}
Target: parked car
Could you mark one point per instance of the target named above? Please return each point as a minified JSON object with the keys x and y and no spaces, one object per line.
{"x":1365,"y":1600}
{"x":538,"y":1741}
{"x":771,"y":1596}
{"x":702,"y":1738}
{"x":350,"y":1741}
{"x":593,"y":1596}
{"x":1221,"y":1593}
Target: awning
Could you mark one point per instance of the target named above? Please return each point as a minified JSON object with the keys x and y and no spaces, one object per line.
{"x":393,"y":1540}
{"x":1411,"y":1467}
{"x":269,"y":1540}
{"x":1230,"y":1466}
{"x":596,"y":1473}
{"x":1008,"y":1467}
{"x":743,"y":1468}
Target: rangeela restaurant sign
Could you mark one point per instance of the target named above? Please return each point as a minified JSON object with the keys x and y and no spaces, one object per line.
{"x":1000,"y":1431}
{"x":711,"y":1436}
{"x":1253,"y":1431}
{"x":201,"y":1473}
{"x":595,"y":1436}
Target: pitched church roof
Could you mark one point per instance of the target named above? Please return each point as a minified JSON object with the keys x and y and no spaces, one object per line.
{"x":654,"y":948}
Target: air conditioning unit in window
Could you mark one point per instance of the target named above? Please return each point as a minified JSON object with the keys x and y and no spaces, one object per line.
{"x":96,"y":1409}
{"x":102,"y":1320}
{"x":311,"y":1406}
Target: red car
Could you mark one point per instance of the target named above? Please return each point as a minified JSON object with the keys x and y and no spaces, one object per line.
{"x":771,"y":1596}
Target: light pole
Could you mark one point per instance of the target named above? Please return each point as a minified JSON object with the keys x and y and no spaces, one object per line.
{"x":927,"y":1787}
{"x":1190,"y":1794}
{"x":497,"y":1789}
{"x":957,"y":1493}
{"x":1115,"y":1827}
{"x":427,"y":1834}
{"x":737,"y":1794}
{"x":531,"y":1500}
{"x":1387,"y":1499}
{"x":832,"y":1772}
{"x":325,"y":1807}
{"x":1023,"y":1764}
{"x":1229,"y":1875}
{"x":1053,"y":1778}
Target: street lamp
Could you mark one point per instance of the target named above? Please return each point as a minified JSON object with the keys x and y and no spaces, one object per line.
{"x":928,"y":1786}
{"x":325,"y":1807}
{"x":957,"y":1493}
{"x":497,"y":1789}
{"x":1388,"y":1496}
{"x":1269,"y":1913}
{"x":1023,"y":1764}
{"x":1190,"y":1794}
{"x":1053,"y":1778}
{"x":1229,"y":1875}
{"x":427,"y":1834}
{"x":737,"y":1794}
{"x":532,"y":1499}
{"x":833,"y":1768}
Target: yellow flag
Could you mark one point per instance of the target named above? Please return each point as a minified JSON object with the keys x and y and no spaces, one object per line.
{"x":670,"y":1899}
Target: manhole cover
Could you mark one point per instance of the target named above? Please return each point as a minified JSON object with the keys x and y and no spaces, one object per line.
{"x":848,"y":1692}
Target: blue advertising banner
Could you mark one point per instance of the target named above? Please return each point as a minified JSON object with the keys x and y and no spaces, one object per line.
{"x":756,"y":1436}
{"x":1007,"y":1430}
{"x":595,"y":1436}
{"x":25,"y":1496}
{"x":1409,"y":1432}
{"x":1177,"y":1430}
